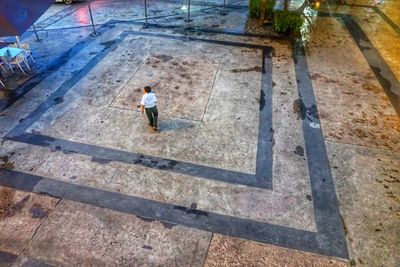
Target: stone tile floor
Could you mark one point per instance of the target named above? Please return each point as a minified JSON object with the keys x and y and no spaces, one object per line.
{"x":267,"y":155}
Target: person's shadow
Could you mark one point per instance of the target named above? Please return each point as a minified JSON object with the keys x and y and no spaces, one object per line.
{"x":175,"y":124}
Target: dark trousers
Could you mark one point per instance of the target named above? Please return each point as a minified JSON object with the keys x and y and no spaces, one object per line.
{"x":152,"y":115}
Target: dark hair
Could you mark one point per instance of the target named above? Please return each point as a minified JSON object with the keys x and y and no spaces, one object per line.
{"x":147,"y":89}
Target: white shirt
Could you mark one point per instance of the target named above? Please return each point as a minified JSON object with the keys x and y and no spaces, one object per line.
{"x":149,"y":100}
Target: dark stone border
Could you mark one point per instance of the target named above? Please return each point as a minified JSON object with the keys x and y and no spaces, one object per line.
{"x":7,"y":258}
{"x":385,"y":76}
{"x":263,"y":176}
{"x":380,"y":68}
{"x":391,"y":23}
{"x":103,"y":154}
{"x":329,"y":240}
{"x":172,"y":215}
{"x":326,"y":210}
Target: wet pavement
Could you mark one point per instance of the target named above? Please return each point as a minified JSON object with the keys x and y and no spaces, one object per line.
{"x":267,"y":155}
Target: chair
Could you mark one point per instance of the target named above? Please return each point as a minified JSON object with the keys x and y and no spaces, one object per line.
{"x":1,"y":82}
{"x":16,"y":61}
{"x":2,"y":64}
{"x":27,"y":52}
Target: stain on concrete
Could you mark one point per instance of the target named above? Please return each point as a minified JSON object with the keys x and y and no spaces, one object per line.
{"x":7,"y":206}
{"x":315,"y":76}
{"x":196,"y":212}
{"x":108,"y":43}
{"x":167,"y":225}
{"x":255,"y":68}
{"x":262,"y":100}
{"x":163,"y":58}
{"x":297,"y":107}
{"x":37,"y":211}
{"x":100,"y":161}
{"x":147,"y":247}
{"x":299,"y":151}
{"x":58,"y":100}
{"x":6,"y":199}
{"x":5,"y":163}
{"x":372,"y":88}
{"x":303,"y":112}
{"x":154,"y":163}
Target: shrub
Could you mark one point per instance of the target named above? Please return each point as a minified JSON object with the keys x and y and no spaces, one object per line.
{"x":255,"y":11}
{"x":285,"y":22}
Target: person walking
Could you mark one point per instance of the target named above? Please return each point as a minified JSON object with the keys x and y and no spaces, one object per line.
{"x":148,"y":104}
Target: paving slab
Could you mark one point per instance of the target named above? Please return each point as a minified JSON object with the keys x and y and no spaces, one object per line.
{"x":227,"y":251}
{"x":368,"y":185}
{"x":290,"y":163}
{"x":385,"y":39}
{"x":78,"y":234}
{"x":172,"y":80}
{"x":229,"y":129}
{"x":21,"y":214}
{"x":280,"y":208}
{"x":362,"y":114}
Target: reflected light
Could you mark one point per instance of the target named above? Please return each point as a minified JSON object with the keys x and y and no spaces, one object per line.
{"x":82,"y":16}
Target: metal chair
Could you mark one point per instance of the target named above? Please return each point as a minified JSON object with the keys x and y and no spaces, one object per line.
{"x":2,"y":64}
{"x":27,"y":52}
{"x":16,"y":61}
{"x":26,"y":48}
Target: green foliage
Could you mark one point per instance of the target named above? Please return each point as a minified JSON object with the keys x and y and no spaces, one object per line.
{"x":285,"y":21}
{"x":255,"y":10}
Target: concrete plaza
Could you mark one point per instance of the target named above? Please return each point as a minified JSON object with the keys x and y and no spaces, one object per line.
{"x":268,"y":154}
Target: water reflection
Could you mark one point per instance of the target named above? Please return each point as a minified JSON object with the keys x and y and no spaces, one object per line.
{"x":81,"y":16}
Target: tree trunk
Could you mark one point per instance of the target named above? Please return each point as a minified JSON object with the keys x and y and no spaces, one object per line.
{"x":263,"y":5}
{"x":286,"y":5}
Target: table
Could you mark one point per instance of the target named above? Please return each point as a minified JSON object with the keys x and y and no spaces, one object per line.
{"x":13,"y":51}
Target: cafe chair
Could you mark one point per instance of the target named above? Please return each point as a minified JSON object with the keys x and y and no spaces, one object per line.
{"x":12,"y":62}
{"x":2,"y":64}
{"x":27,"y":52}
